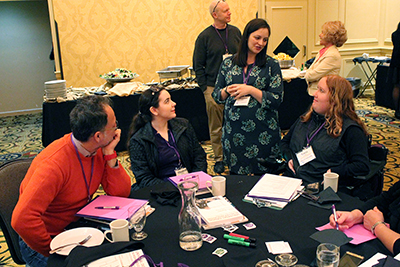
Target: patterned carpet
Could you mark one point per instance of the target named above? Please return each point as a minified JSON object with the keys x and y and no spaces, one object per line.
{"x":20,"y":137}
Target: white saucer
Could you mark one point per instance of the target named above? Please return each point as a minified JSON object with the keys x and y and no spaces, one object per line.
{"x":77,"y":235}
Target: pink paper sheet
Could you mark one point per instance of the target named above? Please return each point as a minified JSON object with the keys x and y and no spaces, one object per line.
{"x":357,"y":232}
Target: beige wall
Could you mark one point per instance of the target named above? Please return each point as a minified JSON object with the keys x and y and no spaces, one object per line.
{"x":369,"y":24}
{"x":97,"y":36}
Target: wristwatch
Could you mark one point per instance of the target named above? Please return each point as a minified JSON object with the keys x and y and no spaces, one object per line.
{"x":226,"y":90}
{"x":375,"y":225}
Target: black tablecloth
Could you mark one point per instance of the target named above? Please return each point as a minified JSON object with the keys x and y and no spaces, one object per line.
{"x":384,"y":88}
{"x":296,"y":101}
{"x":294,"y":224}
{"x":190,"y":105}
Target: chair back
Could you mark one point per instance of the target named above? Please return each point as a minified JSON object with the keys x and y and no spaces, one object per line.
{"x":371,"y":185}
{"x":11,"y":175}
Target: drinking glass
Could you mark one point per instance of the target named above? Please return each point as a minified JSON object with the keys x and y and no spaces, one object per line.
{"x":138,"y":220}
{"x":328,"y":255}
{"x":286,"y":259}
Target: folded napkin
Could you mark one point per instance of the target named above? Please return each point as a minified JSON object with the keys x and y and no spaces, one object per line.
{"x":124,"y":89}
{"x":326,"y":199}
{"x":389,"y":261}
{"x":166,"y":194}
{"x":332,"y":236}
{"x":82,"y":255}
{"x":291,"y":73}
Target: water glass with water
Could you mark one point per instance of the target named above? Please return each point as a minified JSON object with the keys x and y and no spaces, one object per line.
{"x":328,"y":255}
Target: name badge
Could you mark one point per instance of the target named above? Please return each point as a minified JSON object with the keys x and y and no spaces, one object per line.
{"x":181,"y":171}
{"x":243,"y":101}
{"x":225,"y":56}
{"x":305,"y":156}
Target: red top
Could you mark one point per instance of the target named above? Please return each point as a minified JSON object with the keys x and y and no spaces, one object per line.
{"x":54,"y":189}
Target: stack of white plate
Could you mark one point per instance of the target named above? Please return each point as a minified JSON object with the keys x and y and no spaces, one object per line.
{"x":55,"y":89}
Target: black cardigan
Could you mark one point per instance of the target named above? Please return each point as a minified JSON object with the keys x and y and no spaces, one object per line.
{"x":389,"y":204}
{"x":143,"y":152}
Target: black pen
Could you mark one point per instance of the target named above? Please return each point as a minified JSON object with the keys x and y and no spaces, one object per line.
{"x":107,"y":208}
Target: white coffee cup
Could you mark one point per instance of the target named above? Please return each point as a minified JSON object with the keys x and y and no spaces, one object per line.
{"x":218,"y":184}
{"x":331,"y":179}
{"x":119,"y":230}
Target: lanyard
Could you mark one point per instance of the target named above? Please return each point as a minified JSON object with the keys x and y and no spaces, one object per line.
{"x":226,"y":37}
{"x":314,"y":134}
{"x":83,"y":170}
{"x":246,"y":78}
{"x":173,"y":147}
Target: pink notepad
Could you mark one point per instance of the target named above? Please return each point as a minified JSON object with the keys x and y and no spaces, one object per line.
{"x":110,"y":214}
{"x":202,"y":178}
{"x":357,"y":232}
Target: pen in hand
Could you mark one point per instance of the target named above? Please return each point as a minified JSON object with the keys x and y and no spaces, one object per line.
{"x":108,"y":208}
{"x":335,"y":216}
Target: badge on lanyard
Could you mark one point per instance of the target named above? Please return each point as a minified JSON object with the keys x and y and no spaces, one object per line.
{"x":180,"y":171}
{"x":243,"y":101}
{"x":226,"y":55}
{"x":305,"y":156}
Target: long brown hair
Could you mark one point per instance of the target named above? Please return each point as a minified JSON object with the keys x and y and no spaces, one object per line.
{"x":341,"y":105}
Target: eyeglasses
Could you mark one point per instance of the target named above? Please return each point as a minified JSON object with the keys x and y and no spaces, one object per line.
{"x":217,"y":4}
{"x":112,"y":128}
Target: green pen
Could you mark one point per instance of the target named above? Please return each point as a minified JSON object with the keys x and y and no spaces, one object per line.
{"x":235,"y":238}
{"x":241,"y":243}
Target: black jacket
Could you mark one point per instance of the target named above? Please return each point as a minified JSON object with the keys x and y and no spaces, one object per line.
{"x":346,"y":155}
{"x":389,"y":204}
{"x":143,"y":152}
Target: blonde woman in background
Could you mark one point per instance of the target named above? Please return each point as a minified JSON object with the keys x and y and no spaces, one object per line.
{"x":328,"y":59}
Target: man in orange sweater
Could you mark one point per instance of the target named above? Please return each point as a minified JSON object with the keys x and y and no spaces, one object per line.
{"x":66,"y":174}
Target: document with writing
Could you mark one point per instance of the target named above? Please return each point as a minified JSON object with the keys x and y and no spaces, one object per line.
{"x":120,"y":260}
{"x":276,"y":187}
{"x":218,"y":211}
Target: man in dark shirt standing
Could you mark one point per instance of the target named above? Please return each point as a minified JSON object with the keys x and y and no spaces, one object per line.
{"x":212,"y":45}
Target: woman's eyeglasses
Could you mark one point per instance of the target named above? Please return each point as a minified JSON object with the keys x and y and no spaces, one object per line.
{"x":217,"y":4}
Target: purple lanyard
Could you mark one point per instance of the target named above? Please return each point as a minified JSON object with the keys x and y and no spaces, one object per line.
{"x":173,"y":147}
{"x":226,"y":36}
{"x":83,"y":170}
{"x":314,"y":134}
{"x":246,"y":78}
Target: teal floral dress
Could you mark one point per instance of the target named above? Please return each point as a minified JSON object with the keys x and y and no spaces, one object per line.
{"x":250,"y":132}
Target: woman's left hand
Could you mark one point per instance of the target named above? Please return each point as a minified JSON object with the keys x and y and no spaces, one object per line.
{"x":239,"y":90}
{"x":371,"y":217}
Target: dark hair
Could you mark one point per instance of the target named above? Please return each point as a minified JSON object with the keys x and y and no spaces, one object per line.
{"x":240,"y":58}
{"x":89,"y":116}
{"x":148,"y":99}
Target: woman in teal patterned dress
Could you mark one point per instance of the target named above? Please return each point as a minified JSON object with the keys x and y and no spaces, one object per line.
{"x":250,"y":85}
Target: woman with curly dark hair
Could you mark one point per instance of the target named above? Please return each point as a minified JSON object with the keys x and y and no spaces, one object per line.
{"x":329,"y":137}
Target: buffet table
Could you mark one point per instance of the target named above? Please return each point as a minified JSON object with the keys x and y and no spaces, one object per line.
{"x":190,"y":104}
{"x":294,"y":224}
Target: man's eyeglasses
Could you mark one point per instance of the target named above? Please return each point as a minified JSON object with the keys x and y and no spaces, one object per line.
{"x":112,"y":128}
{"x":217,"y":4}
